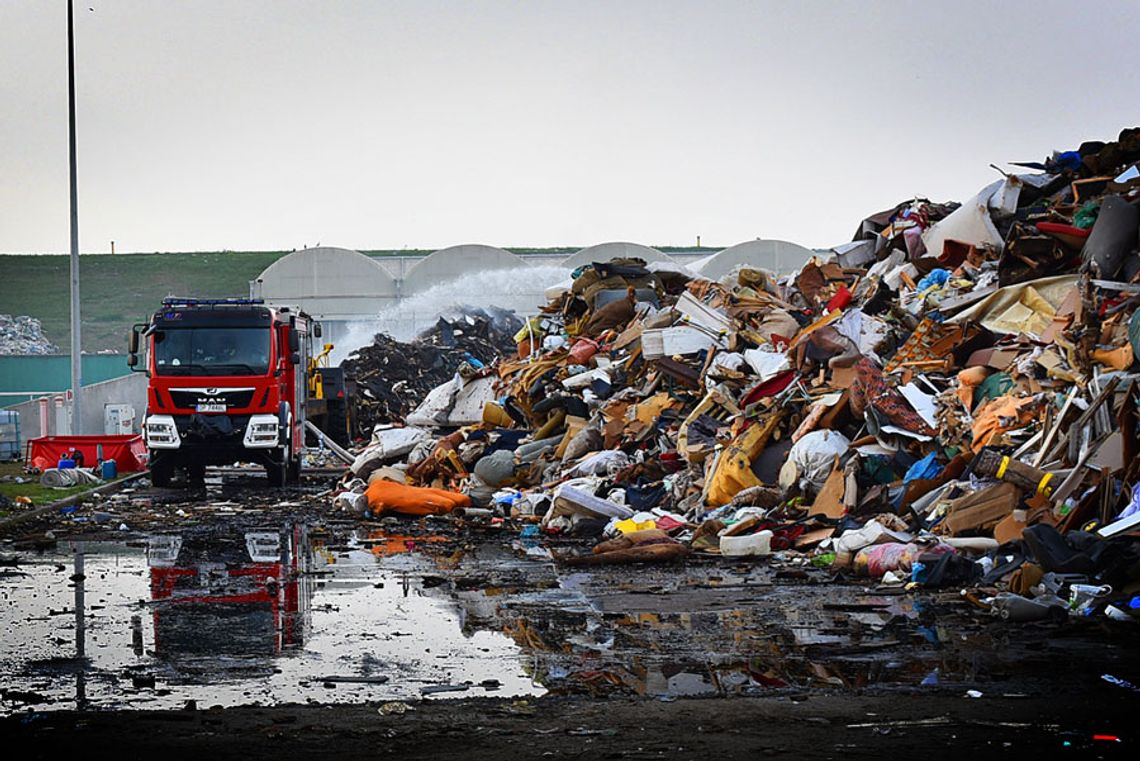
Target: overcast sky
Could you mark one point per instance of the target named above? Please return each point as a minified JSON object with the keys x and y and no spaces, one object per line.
{"x":253,"y":125}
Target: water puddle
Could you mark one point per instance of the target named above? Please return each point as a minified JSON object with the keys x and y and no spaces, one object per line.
{"x":300,"y":612}
{"x":674,"y":632}
{"x":230,"y":617}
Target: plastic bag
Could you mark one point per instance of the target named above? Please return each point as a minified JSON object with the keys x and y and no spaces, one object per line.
{"x":814,"y":456}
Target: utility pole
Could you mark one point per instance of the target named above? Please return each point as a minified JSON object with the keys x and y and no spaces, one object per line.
{"x":76,"y":343}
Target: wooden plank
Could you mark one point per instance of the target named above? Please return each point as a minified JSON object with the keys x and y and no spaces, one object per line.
{"x":1056,"y":427}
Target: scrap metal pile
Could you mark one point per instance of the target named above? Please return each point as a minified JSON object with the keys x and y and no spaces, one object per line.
{"x":948,"y":400}
{"x":23,"y":335}
{"x":393,"y":377}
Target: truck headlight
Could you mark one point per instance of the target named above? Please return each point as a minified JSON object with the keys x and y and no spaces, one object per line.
{"x":161,"y":432}
{"x":261,"y":432}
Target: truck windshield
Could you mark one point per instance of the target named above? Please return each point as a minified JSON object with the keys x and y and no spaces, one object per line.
{"x":211,"y":351}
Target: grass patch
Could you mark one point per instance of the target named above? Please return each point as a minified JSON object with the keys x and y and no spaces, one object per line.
{"x":118,"y":291}
{"x":31,"y":488}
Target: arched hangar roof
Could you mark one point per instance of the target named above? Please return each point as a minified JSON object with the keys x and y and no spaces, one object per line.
{"x":327,"y":280}
{"x":604,"y":252}
{"x":779,"y":256}
{"x":456,"y":261}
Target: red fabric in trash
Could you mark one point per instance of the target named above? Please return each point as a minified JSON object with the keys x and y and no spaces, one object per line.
{"x":1056,"y":228}
{"x":784,"y":535}
{"x":840,"y":300}
{"x":770,"y":387}
{"x":668,"y":523}
{"x":582,"y":350}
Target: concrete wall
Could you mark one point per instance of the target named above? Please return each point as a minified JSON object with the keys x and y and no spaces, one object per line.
{"x":129,"y":389}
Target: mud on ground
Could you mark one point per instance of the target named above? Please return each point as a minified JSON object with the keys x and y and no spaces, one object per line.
{"x":800,"y":727}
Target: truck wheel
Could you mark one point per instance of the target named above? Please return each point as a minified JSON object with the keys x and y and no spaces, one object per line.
{"x":278,"y":473}
{"x":161,"y":471}
{"x":195,"y":474}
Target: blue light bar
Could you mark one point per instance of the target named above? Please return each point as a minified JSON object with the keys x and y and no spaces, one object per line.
{"x":177,"y":302}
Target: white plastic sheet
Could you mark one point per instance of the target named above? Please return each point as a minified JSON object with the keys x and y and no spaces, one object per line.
{"x":767,"y":364}
{"x":814,"y":455}
{"x":971,"y":222}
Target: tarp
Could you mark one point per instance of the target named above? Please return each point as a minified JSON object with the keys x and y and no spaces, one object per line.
{"x":128,"y":451}
{"x":1022,"y":308}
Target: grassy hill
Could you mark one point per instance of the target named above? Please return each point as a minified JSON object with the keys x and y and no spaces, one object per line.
{"x":118,"y":291}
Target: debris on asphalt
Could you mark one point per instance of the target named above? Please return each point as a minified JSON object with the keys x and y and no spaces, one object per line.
{"x":947,"y":401}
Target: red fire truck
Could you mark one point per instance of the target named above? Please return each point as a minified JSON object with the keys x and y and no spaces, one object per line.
{"x":227,"y":384}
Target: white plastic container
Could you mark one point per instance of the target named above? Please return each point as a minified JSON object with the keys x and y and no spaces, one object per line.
{"x":749,"y":545}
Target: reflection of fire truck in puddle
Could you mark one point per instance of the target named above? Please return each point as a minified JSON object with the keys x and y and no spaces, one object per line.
{"x":247,"y":593}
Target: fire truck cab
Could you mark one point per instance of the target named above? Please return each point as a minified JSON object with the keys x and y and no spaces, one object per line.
{"x":227,"y":384}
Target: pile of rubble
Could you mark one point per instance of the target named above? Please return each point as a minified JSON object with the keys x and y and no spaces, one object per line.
{"x":948,"y":400}
{"x":23,"y":335}
{"x":393,"y":377}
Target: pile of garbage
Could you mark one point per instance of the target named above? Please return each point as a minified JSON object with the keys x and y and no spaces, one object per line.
{"x":393,"y":377}
{"x":23,"y":335}
{"x":949,"y":400}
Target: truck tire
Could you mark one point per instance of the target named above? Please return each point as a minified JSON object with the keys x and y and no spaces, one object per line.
{"x":196,"y":474}
{"x":278,"y":473}
{"x":161,"y":471}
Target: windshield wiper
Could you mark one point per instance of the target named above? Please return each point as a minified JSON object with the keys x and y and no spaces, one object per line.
{"x":181,"y":370}
{"x":233,"y":369}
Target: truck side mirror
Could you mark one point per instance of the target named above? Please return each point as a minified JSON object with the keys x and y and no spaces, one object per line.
{"x":317,"y":330}
{"x":295,"y":358}
{"x":133,"y":347}
{"x":294,"y":342}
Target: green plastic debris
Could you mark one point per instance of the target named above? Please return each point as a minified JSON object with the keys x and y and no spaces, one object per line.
{"x":1086,"y":215}
{"x":997,"y":384}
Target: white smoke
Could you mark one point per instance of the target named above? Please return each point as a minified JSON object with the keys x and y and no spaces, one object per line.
{"x":519,"y":289}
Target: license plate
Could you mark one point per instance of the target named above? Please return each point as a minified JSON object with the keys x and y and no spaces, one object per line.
{"x":211,"y":408}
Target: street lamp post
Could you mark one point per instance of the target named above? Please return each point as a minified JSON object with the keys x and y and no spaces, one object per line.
{"x":76,"y":344}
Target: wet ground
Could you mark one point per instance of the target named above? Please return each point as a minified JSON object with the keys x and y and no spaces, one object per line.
{"x":801,"y":727}
{"x":317,"y":615}
{"x":205,"y":602}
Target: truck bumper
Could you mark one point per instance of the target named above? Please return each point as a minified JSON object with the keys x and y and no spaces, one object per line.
{"x":214,"y":439}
